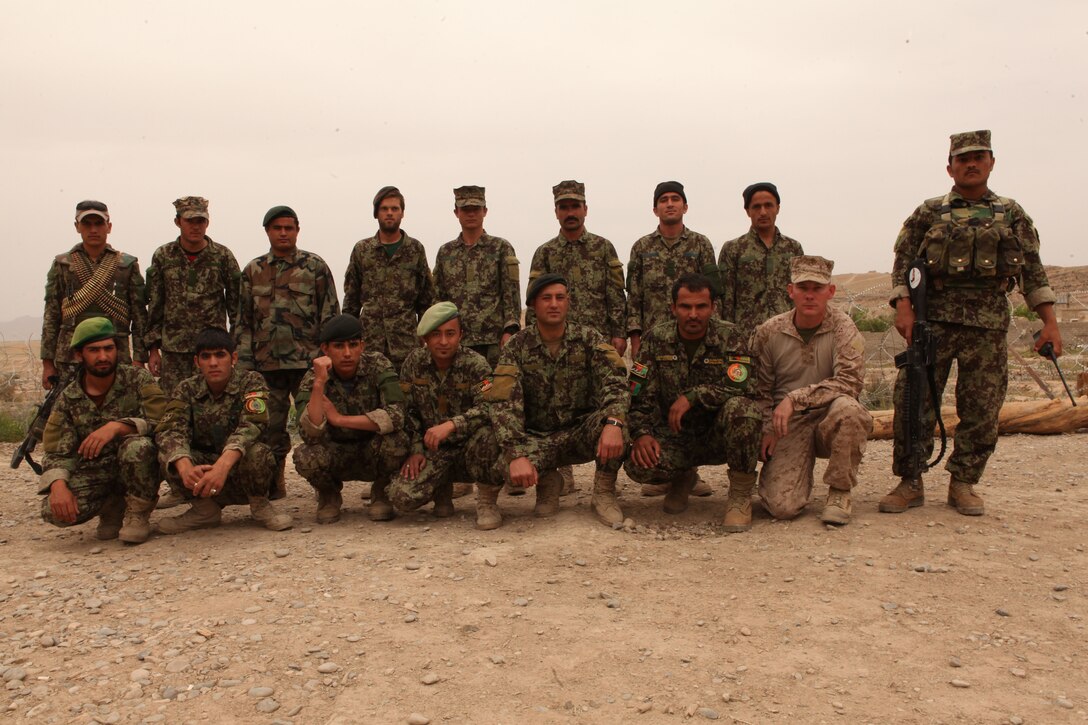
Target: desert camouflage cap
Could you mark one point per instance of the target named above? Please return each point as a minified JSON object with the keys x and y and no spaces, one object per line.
{"x":90,"y":207}
{"x":569,"y":189}
{"x":469,"y":196}
{"x":811,"y":269}
{"x":436,"y":316}
{"x":192,"y":207}
{"x":93,"y":329}
{"x":968,"y":141}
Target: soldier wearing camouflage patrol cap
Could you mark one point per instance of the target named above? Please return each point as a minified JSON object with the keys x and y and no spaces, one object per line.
{"x":99,"y":456}
{"x":754,"y":269}
{"x":479,"y":273}
{"x":810,"y":374}
{"x":977,"y":247}
{"x":690,"y":404}
{"x":92,"y":279}
{"x":388,"y":284}
{"x":286,"y":295}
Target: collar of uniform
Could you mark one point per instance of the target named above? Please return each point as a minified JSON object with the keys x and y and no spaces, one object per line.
{"x":234,"y":385}
{"x":485,"y":237}
{"x":105,"y":250}
{"x":827,"y":325}
{"x":713,"y":335}
{"x":432,"y":367}
{"x":954,"y":195}
{"x":661,"y":237}
{"x":120,"y":380}
{"x":569,"y":333}
{"x":586,"y":237}
{"x":177,"y":243}
{"x":291,"y":258}
{"x":754,"y":235}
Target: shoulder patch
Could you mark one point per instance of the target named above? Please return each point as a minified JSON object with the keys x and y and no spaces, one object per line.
{"x":637,"y":377}
{"x":486,"y":384}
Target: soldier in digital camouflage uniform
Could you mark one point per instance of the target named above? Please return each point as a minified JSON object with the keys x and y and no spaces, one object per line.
{"x":208,"y":440}
{"x":479,"y":274}
{"x":92,"y":279}
{"x":286,"y":296}
{"x":810,"y":372}
{"x":977,"y":247}
{"x":388,"y":284}
{"x":559,"y":396}
{"x":351,"y":415}
{"x":192,"y":284}
{"x":593,"y":269}
{"x":446,"y":418}
{"x":689,"y":404}
{"x":99,"y":457}
{"x":755,"y":268}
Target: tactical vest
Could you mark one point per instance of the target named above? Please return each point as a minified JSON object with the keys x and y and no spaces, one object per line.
{"x":972,"y":251}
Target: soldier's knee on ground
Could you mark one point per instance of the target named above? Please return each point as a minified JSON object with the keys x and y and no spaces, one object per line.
{"x":781,"y":509}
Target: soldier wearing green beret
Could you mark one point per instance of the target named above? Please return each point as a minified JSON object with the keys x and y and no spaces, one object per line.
{"x":978,"y":247}
{"x":690,"y":404}
{"x":446,"y":419}
{"x":350,"y":409}
{"x":92,"y":279}
{"x":286,"y":295}
{"x":209,"y":443}
{"x":99,"y":456}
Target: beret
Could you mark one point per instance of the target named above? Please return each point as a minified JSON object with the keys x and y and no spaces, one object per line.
{"x":435,"y":316}
{"x":93,"y":329}
{"x":541,"y":282}
{"x":341,"y":329}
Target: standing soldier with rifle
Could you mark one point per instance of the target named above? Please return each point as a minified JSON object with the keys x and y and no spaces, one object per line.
{"x":975,"y":246}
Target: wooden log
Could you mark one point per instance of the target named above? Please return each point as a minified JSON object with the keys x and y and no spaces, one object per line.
{"x":1038,"y":417}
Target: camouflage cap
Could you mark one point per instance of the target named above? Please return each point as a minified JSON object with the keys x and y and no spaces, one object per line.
{"x":544,"y":280}
{"x":436,"y":316}
{"x":469,"y":196}
{"x":192,"y":207}
{"x":969,"y":141}
{"x":811,"y":269}
{"x":93,"y":329}
{"x":90,"y":207}
{"x":341,"y":328}
{"x":385,"y":192}
{"x":569,"y":189}
{"x":276,"y":212}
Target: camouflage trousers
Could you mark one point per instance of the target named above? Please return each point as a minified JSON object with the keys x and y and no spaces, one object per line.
{"x":837,"y":433}
{"x":132,"y":471}
{"x":489,"y":352}
{"x":326,"y":466}
{"x":733,"y":439}
{"x":282,"y":387}
{"x":982,"y":367}
{"x":577,"y":444}
{"x":176,"y":366}
{"x":465,"y":462}
{"x":251,"y":476}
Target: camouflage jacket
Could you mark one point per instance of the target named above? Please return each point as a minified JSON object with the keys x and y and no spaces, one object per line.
{"x":720,"y":369}
{"x":534,"y":392}
{"x":433,"y":397}
{"x":985,"y":306}
{"x":61,"y":283}
{"x":184,"y":297}
{"x":388,"y":294}
{"x":197,"y":420}
{"x":754,"y":279}
{"x":830,"y":365}
{"x":284,"y":302}
{"x":651,"y":270}
{"x":135,"y":398}
{"x":374,"y":391}
{"x":595,"y":275}
{"x":483,"y":280}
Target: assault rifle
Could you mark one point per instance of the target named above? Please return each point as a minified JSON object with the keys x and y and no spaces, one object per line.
{"x":919,"y":359}
{"x":36,"y":428}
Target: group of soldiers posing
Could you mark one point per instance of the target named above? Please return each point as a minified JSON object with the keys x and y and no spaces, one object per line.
{"x":428,"y":379}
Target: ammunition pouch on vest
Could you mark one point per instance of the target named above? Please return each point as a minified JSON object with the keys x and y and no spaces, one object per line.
{"x":972,"y":252}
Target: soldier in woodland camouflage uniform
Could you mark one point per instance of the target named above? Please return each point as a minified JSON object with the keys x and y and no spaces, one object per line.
{"x":208,"y":440}
{"x":559,"y":397}
{"x":388,"y":284}
{"x":689,"y":404}
{"x":351,"y":415}
{"x":443,"y":385}
{"x":479,"y":274}
{"x":755,"y":268}
{"x":192,"y":284}
{"x":811,"y":368}
{"x":977,"y":247}
{"x":286,"y":296}
{"x":99,"y":458}
{"x":92,"y":279}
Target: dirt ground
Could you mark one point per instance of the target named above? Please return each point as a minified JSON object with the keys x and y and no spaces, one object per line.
{"x":923,"y":617}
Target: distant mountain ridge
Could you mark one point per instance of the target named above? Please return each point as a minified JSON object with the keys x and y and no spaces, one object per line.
{"x":21,"y":329}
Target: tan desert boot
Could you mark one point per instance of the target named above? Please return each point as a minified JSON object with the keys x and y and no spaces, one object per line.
{"x":604,"y":503}
{"x":443,"y":501}
{"x":908,"y":494}
{"x":488,"y":516}
{"x":548,"y":486}
{"x":963,"y":497}
{"x":676,"y":499}
{"x":110,"y":517}
{"x":137,"y":524}
{"x":837,"y":508}
{"x":380,"y":509}
{"x":203,"y":513}
{"x":568,"y":480}
{"x":328,"y":506}
{"x":263,"y":512}
{"x":738,"y":507}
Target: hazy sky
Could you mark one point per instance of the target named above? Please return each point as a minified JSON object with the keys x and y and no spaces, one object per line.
{"x":847,"y":106}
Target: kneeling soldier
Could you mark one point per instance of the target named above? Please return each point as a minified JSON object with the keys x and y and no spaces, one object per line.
{"x":560,"y":397}
{"x":351,"y":415}
{"x":443,"y":383}
{"x":208,"y":440}
{"x":689,"y":406}
{"x":99,"y":458}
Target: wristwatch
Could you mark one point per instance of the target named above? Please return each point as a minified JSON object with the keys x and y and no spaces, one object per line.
{"x":613,"y":421}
